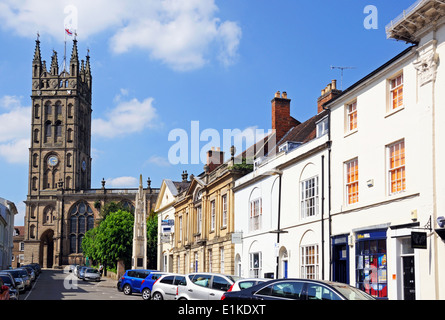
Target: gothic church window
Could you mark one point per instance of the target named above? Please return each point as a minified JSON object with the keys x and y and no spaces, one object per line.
{"x":81,"y":220}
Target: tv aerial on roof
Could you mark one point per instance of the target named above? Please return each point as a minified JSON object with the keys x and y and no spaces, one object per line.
{"x":342,"y":70}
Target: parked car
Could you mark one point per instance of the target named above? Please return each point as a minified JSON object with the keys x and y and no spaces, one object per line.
{"x":204,"y":286}
{"x":72,"y":267}
{"x":31,"y":273}
{"x":91,"y":274}
{"x":4,"y":291}
{"x":81,"y":273}
{"x":20,"y":284}
{"x":298,"y":289}
{"x":165,"y":287}
{"x":21,"y":273}
{"x":132,"y":279}
{"x":8,"y":280}
{"x":37,"y":267}
{"x":147,"y":284}
{"x":34,"y":267}
{"x":76,"y":270}
{"x":242,"y":283}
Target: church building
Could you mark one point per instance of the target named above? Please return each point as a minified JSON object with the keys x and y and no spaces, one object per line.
{"x":61,"y":206}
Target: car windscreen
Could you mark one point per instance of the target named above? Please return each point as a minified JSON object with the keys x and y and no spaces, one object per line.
{"x":6,"y":280}
{"x":352,"y":293}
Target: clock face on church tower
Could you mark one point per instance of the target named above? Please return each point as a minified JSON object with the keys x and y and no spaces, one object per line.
{"x":53,"y":161}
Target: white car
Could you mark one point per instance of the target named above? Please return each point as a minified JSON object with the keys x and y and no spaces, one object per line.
{"x":165,"y":287}
{"x":204,"y":286}
{"x":242,"y":284}
{"x":91,"y":274}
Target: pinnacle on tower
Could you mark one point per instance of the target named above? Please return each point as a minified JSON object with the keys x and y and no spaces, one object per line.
{"x":54,"y":64}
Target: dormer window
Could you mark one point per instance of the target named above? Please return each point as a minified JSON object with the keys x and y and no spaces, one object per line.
{"x":322,"y":127}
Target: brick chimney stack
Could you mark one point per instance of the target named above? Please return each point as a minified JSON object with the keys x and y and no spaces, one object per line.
{"x":327,"y":94}
{"x":215,"y":158}
{"x":282,"y":122}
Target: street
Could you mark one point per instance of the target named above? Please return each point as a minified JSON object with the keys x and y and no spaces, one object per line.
{"x":60,"y":285}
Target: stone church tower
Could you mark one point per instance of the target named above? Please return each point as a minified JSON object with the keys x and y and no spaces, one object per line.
{"x":61,"y":206}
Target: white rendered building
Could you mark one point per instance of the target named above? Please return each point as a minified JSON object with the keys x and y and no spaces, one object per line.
{"x":387,"y":167}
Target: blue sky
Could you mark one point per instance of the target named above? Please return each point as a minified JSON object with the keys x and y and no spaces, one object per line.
{"x":172,"y":62}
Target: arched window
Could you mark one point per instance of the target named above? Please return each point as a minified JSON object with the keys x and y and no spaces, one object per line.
{"x":81,"y":220}
{"x":49,"y":215}
{"x":48,"y":108}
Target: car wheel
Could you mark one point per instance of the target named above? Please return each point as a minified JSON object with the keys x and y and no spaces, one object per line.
{"x":182,"y":298}
{"x":157,"y":296}
{"x":146,"y":294}
{"x":127,"y":289}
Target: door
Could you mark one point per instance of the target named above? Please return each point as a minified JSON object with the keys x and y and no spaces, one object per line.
{"x":340,"y":263}
{"x":219,"y":286}
{"x":409,"y":283}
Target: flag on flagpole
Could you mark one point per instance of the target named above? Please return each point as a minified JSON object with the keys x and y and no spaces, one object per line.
{"x":68,"y":32}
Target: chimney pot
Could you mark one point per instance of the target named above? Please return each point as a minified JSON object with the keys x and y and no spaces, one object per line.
{"x":284,"y":95}
{"x":278,"y":94}
{"x":334,"y":84}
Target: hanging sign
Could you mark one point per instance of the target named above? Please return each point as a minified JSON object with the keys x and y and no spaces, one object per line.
{"x":418,"y":240}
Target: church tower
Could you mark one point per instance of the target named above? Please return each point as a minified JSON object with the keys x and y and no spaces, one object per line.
{"x":61,"y":125}
{"x":60,"y":151}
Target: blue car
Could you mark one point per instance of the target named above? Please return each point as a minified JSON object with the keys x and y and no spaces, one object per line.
{"x":131,"y":281}
{"x":148,"y":282}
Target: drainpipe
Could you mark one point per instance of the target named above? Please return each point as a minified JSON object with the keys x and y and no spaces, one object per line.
{"x":322,"y":217}
{"x":329,"y":190}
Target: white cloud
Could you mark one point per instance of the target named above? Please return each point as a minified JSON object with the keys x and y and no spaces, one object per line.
{"x":158,"y":161}
{"x":126,"y":118}
{"x":181,"y":34}
{"x":122,"y":182}
{"x":14,"y":130}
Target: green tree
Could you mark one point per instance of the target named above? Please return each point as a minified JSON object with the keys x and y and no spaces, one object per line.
{"x":113,"y":240}
{"x":152,"y":240}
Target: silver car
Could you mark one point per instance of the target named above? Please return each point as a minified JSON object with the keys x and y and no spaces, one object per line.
{"x":91,"y":274}
{"x":204,"y":286}
{"x":165,"y":287}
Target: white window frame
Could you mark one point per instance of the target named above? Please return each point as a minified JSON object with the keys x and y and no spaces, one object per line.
{"x":212,"y":215}
{"x":349,"y":114}
{"x":255,"y":270}
{"x":391,"y":89}
{"x":346,"y":184}
{"x":388,"y":157}
{"x":322,"y":127}
{"x":308,"y":211}
{"x":256,"y":213}
{"x":198,"y":219}
{"x":310,"y":261}
{"x":224,"y":210}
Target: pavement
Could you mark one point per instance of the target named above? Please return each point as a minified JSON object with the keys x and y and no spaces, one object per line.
{"x":107,"y":282}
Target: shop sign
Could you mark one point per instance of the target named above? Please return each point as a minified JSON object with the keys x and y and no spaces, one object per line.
{"x":418,"y":240}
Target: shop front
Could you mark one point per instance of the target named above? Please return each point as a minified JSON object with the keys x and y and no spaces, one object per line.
{"x":371,"y":262}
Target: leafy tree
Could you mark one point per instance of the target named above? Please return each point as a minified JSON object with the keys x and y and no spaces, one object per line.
{"x":112,"y":240}
{"x":152,"y":240}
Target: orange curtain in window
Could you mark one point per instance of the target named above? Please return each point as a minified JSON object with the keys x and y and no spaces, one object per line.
{"x":397,"y":167}
{"x":352,"y":181}
{"x":397,"y":92}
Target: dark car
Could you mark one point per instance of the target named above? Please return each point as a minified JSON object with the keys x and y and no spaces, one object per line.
{"x":298,"y":289}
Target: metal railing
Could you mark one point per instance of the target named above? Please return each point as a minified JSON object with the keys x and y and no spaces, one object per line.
{"x":403,"y":15}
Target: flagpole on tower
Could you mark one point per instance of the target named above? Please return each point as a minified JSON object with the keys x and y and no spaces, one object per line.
{"x":64,"y":54}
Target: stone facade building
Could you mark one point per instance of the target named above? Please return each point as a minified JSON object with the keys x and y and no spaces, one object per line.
{"x":61,"y":206}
